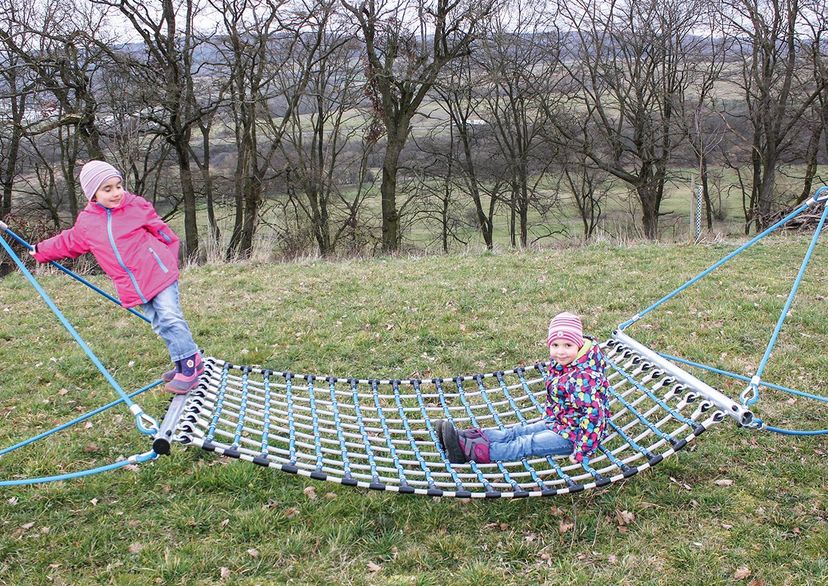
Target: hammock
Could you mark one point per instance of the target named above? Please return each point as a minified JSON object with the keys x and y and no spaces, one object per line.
{"x":379,"y":434}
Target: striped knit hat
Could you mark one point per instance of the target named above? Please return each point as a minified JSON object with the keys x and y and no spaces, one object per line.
{"x":93,"y":174}
{"x":566,"y":326}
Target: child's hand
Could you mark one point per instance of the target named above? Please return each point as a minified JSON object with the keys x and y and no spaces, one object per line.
{"x":572,"y":459}
{"x":33,"y":250}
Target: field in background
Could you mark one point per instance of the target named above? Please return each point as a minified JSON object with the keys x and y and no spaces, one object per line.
{"x":560,"y":225}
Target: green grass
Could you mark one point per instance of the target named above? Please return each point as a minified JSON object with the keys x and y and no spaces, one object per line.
{"x":195,"y":518}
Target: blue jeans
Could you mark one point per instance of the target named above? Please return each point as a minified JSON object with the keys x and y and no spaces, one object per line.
{"x":164,"y":313}
{"x":521,"y":441}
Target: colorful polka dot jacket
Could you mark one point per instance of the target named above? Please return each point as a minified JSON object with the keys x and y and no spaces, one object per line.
{"x":578,"y":400}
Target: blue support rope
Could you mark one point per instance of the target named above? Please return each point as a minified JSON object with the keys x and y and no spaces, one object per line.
{"x":718,"y":263}
{"x":136,"y":459}
{"x":141,"y":418}
{"x":75,"y":421}
{"x":751,"y":394}
{"x":75,"y":276}
{"x":744,"y":378}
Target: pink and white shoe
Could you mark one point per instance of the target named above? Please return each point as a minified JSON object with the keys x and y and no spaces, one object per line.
{"x":187,"y":379}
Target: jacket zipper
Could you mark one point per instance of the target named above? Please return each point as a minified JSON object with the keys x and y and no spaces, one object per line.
{"x":118,"y":255}
{"x":159,"y":261}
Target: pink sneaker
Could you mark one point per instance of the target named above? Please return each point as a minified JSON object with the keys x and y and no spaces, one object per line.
{"x":186,"y":380}
{"x":475,"y":445}
{"x":170,"y":374}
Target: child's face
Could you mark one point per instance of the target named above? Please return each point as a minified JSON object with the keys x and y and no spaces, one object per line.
{"x":110,"y":193}
{"x":563,"y":351}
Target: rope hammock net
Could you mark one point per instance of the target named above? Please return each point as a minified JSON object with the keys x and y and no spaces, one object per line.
{"x":380,"y":434}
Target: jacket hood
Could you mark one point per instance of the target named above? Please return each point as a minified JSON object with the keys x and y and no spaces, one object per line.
{"x":589,"y":355}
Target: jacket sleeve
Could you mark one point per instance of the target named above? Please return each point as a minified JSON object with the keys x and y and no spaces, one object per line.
{"x":159,"y":229}
{"x":587,"y":432}
{"x":68,"y":244}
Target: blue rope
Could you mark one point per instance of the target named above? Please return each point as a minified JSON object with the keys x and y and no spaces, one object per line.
{"x":744,"y":378}
{"x":80,"y":279}
{"x":522,"y":377}
{"x":340,"y":435}
{"x":315,"y":422}
{"x":219,"y":404}
{"x":505,"y":388}
{"x":462,"y":394}
{"x":266,"y":423}
{"x":242,"y":408}
{"x":140,"y":416}
{"x":433,"y":435}
{"x":389,"y":444}
{"x":291,"y":430}
{"x":753,"y":387}
{"x":366,"y":441}
{"x":795,"y":431}
{"x":716,"y":265}
{"x":655,"y":398}
{"x":75,"y":421}
{"x":137,"y":459}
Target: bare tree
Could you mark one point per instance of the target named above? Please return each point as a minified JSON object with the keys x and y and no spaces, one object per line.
{"x":14,"y":95}
{"x":520,"y":58}
{"x":406,"y":45}
{"x":779,"y":89}
{"x":325,"y":136}
{"x":164,"y":71}
{"x":263,"y":38}
{"x":458,"y":94}
{"x":816,"y":128}
{"x":58,"y":49}
{"x":628,"y":69}
{"x":703,"y":115}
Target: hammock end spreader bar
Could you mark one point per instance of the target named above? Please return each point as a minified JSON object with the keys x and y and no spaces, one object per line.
{"x":741,"y":414}
{"x":164,"y":436}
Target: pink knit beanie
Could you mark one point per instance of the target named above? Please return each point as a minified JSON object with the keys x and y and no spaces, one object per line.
{"x":566,"y":326}
{"x":94,"y":173}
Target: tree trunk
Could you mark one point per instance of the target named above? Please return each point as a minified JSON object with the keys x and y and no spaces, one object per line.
{"x":388,"y":190}
{"x":705,"y":183}
{"x":649,"y":211}
{"x":207,"y":178}
{"x":483,"y":219}
{"x":188,"y":193}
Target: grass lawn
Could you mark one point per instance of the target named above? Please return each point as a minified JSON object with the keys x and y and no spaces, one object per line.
{"x":738,"y":507}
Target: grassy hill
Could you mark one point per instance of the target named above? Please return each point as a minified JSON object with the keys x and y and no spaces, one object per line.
{"x":738,"y":507}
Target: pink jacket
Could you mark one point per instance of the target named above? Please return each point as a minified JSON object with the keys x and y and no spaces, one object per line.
{"x":133,"y":245}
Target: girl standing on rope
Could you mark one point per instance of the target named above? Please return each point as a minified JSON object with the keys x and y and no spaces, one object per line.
{"x":576,"y":412}
{"x":139,"y":252}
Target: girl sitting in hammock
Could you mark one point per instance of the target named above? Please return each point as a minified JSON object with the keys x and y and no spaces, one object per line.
{"x":576,"y":412}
